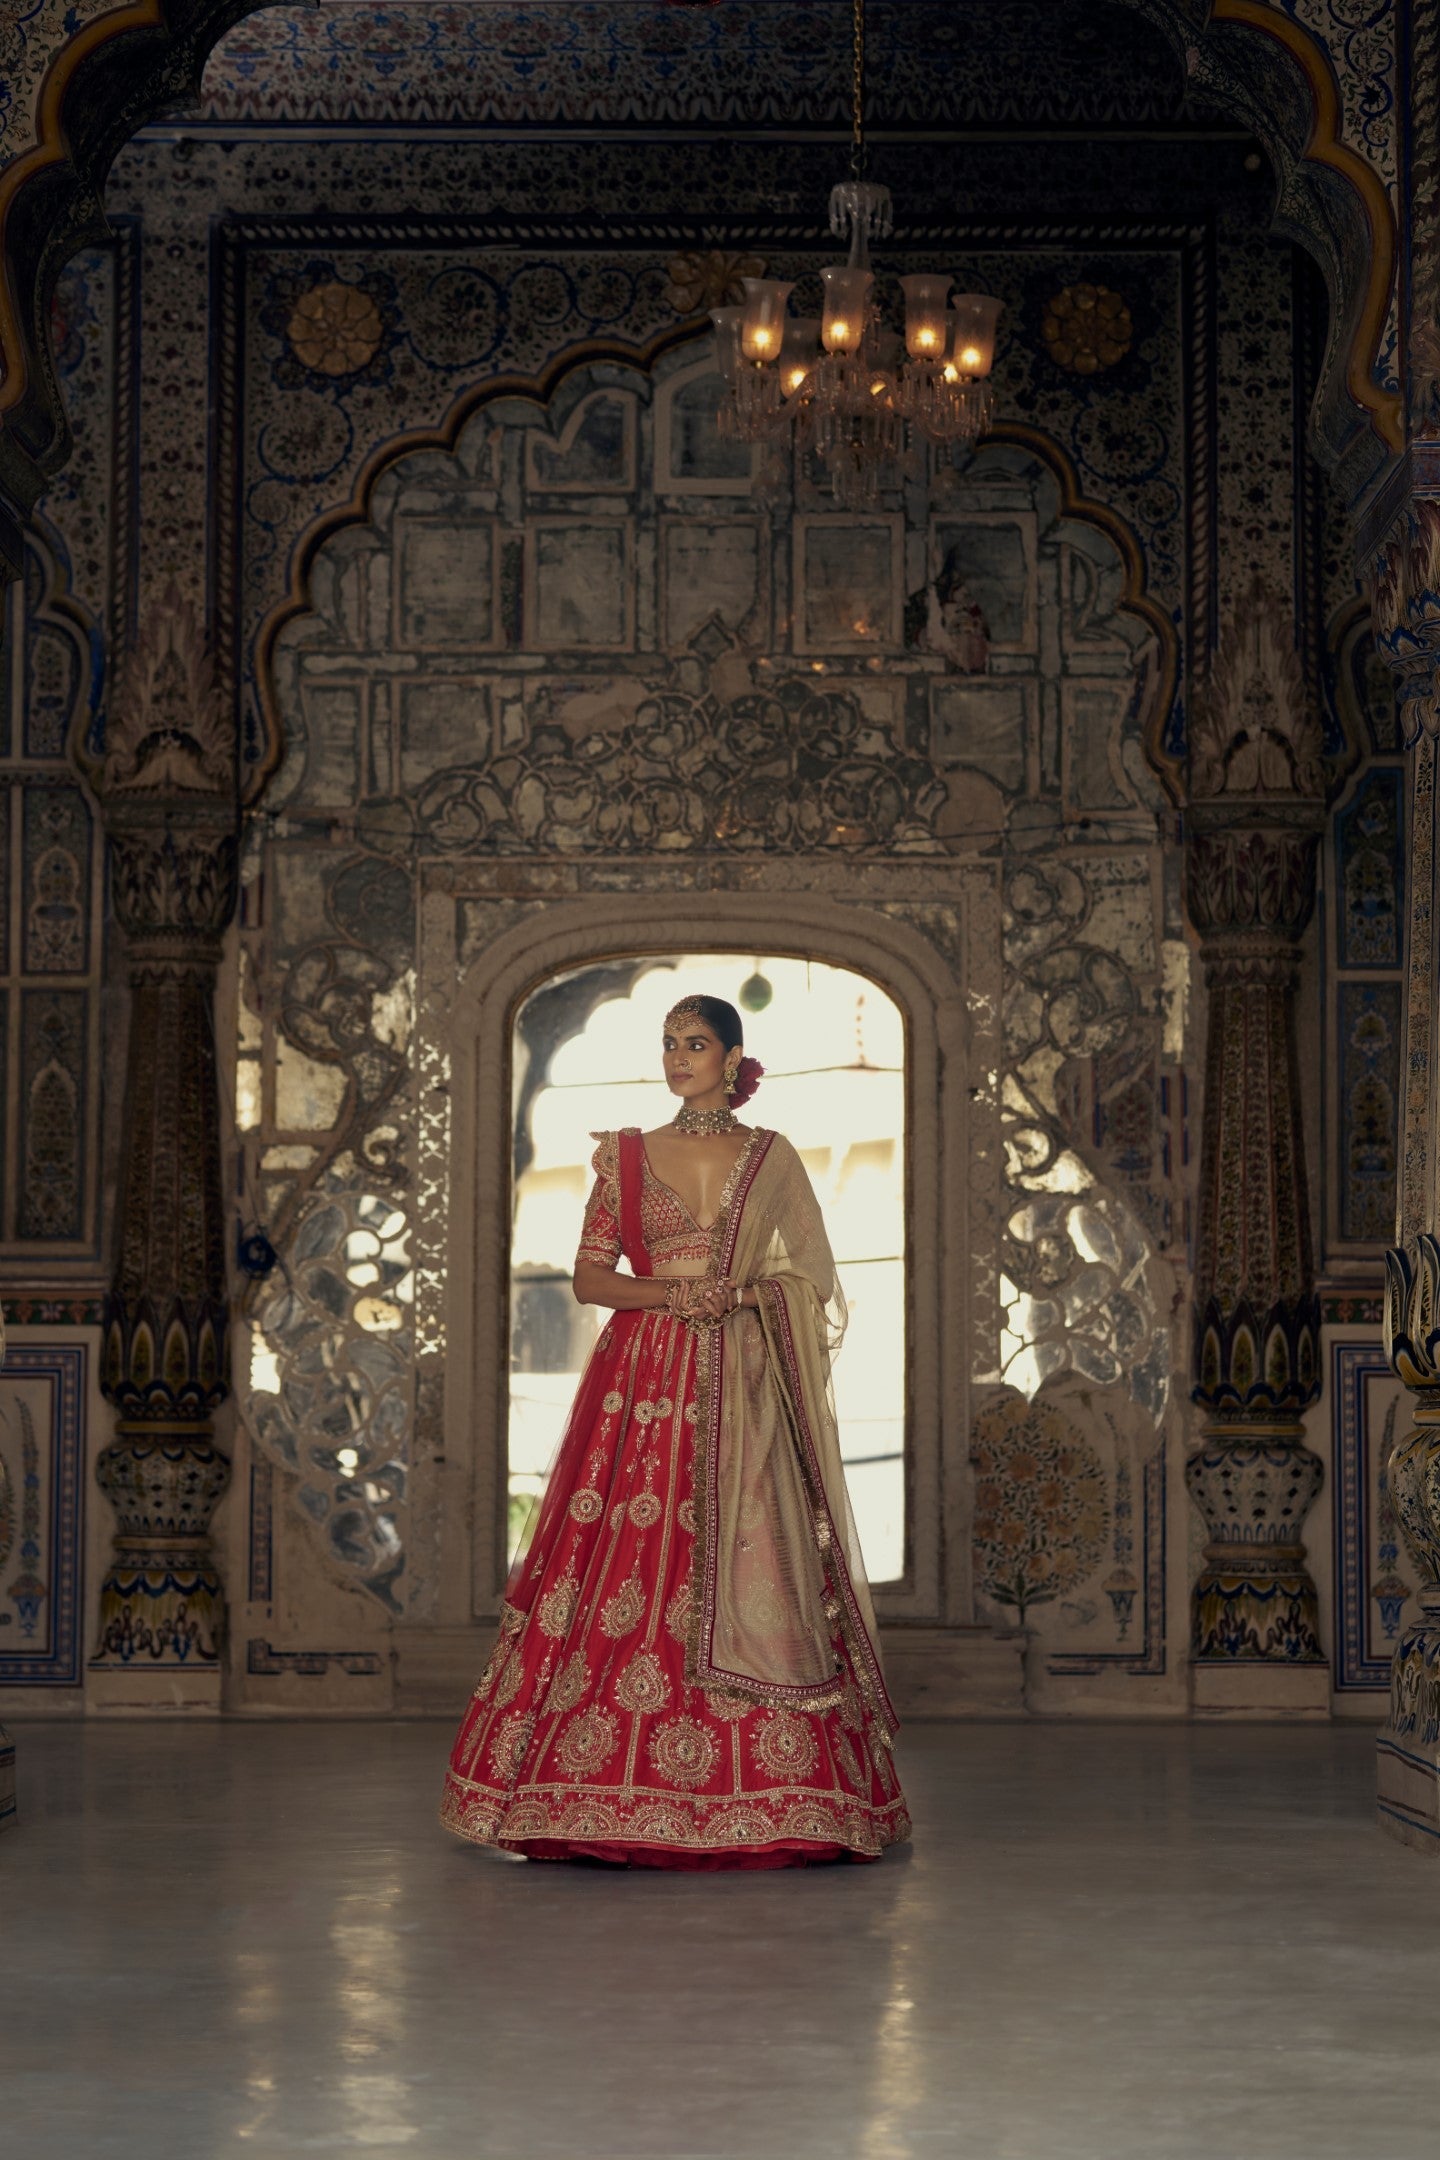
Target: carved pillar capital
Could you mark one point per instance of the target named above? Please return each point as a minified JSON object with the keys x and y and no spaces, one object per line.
{"x":173,"y":866}
{"x":1250,"y":879}
{"x":1253,"y":826}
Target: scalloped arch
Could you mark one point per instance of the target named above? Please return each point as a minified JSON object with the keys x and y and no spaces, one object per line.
{"x":540,"y":389}
{"x":123,"y":68}
{"x":1332,"y":203}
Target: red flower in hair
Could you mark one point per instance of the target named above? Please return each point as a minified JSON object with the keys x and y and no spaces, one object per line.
{"x":748,"y":1075}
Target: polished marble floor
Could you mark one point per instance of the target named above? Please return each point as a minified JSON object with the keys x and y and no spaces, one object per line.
{"x":1107,"y":1943}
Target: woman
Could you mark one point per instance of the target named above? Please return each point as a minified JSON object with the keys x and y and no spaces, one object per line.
{"x":686,"y":1672}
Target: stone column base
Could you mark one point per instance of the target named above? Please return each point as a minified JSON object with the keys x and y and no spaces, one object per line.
{"x":1407,"y":1792}
{"x":164,"y":1691}
{"x":1257,"y":1689}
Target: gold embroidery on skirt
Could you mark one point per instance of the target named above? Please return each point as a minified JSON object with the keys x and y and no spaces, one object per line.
{"x":722,"y":1704}
{"x":624,"y":1611}
{"x":511,"y":1744}
{"x":587,"y":1820}
{"x":588,"y":1742}
{"x":570,"y":1686}
{"x":527,"y":1818}
{"x":662,"y":1824}
{"x":678,"y":1613}
{"x":508,"y":1685}
{"x":642,"y":1685}
{"x":645,"y":1509}
{"x":743,"y":1825}
{"x":586,"y":1504}
{"x":807,"y":1819}
{"x":785,"y":1746}
{"x":684,"y":1751}
{"x":556,"y":1609}
{"x":487,"y":1815}
{"x":848,"y":1761}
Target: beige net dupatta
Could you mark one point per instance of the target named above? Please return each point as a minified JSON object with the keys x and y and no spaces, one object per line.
{"x":777,"y":1562}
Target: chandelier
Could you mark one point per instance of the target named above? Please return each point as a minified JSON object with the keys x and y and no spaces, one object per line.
{"x":838,"y":383}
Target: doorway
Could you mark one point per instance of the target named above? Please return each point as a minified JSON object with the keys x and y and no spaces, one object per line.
{"x":585,"y":1058}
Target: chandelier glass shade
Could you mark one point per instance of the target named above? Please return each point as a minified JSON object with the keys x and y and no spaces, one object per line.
{"x":844,"y":383}
{"x":841,"y":382}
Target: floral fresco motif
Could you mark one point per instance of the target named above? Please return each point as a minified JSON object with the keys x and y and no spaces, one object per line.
{"x":1370,"y":869}
{"x":1042,"y":1510}
{"x":335,"y":328}
{"x":1369,"y":1026}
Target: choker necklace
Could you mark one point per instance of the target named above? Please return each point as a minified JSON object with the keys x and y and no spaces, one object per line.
{"x":699,"y":1122}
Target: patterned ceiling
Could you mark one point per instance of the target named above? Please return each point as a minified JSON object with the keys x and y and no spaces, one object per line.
{"x":771,"y":65}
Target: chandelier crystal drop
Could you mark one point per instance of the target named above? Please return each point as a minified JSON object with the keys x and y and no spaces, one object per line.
{"x":841,"y":382}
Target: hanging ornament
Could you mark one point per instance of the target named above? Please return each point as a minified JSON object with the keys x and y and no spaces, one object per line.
{"x":838,"y":382}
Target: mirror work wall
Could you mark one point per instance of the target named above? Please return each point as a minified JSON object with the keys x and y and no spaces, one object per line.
{"x":533,"y":686}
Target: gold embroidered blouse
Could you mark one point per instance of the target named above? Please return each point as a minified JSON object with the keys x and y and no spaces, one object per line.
{"x":672,"y":1235}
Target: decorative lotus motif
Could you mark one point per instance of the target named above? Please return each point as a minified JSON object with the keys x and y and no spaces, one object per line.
{"x":1249,"y":1362}
{"x":701,"y":279}
{"x":335,"y":328}
{"x":1086,"y":329}
{"x":1412,"y":1313}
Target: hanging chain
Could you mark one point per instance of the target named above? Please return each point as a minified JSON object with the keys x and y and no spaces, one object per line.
{"x":857,"y":94}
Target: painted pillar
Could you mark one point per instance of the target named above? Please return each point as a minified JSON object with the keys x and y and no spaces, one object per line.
{"x":1256,"y":786}
{"x":7,"y":1745}
{"x":166,"y":788}
{"x":1405,"y":609}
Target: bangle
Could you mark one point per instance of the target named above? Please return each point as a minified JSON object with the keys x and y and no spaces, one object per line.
{"x":672,"y":1296}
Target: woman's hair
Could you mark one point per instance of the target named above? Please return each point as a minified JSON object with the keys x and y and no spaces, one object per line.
{"x":721,"y":1019}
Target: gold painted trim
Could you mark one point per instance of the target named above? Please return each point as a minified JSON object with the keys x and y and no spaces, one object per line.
{"x":1326,"y":148}
{"x":51,"y":147}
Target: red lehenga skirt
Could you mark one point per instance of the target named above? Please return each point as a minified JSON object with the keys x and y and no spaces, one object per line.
{"x":583,"y":1739}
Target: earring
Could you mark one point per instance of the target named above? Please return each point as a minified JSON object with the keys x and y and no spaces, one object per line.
{"x":732,"y":1074}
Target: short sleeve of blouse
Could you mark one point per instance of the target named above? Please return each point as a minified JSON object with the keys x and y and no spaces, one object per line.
{"x":600,"y":1237}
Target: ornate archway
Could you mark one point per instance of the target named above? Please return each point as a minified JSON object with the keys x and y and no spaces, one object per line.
{"x":91,"y":87}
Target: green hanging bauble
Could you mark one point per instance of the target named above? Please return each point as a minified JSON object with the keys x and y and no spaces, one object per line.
{"x":756,"y":992}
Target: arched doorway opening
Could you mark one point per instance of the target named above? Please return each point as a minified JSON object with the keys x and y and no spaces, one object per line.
{"x":585,"y":1056}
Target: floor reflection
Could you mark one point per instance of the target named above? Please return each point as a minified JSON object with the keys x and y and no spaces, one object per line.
{"x":255,"y":1939}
